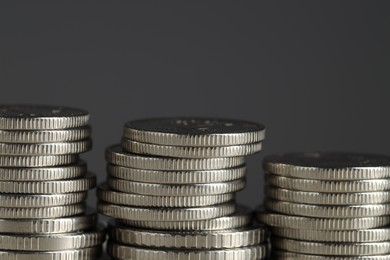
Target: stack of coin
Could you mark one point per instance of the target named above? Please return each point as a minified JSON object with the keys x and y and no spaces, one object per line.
{"x":171,"y":188}
{"x":43,"y":185}
{"x":328,"y":206}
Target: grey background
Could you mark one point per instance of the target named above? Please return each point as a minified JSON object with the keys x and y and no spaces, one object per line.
{"x":316,"y":73}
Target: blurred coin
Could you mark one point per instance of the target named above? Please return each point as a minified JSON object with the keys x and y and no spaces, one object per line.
{"x":36,"y":117}
{"x":37,"y":160}
{"x":337,"y":249}
{"x":305,"y":197}
{"x":329,"y":166}
{"x":325,"y":211}
{"x":328,"y":186}
{"x":59,"y":148}
{"x":49,"y":187}
{"x":45,"y":173}
{"x":45,"y":136}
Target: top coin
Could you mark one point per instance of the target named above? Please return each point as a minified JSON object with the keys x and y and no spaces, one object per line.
{"x":329,"y":166}
{"x":186,"y":131}
{"x":38,"y":117}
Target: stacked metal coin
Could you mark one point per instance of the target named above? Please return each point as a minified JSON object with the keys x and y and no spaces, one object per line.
{"x":328,"y":206}
{"x":171,"y":187}
{"x":43,"y":185}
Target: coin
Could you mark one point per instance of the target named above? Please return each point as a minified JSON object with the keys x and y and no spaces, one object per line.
{"x":178,"y":177}
{"x":344,"y":236}
{"x":47,"y":173}
{"x":326,"y":211}
{"x":128,"y":199}
{"x":36,"y":117}
{"x":60,"y":148}
{"x":241,"y":218}
{"x":49,"y":226}
{"x":53,"y":242}
{"x":338,"y":249}
{"x":127,"y":252}
{"x":282,"y":255}
{"x":285,"y":221}
{"x":76,"y":254}
{"x":228,"y":238}
{"x":46,"y":212}
{"x":194,"y":131}
{"x":166,"y":214}
{"x":329,"y":166}
{"x":328,"y":186}
{"x":45,"y":136}
{"x":115,"y":155}
{"x":37,"y":160}
{"x":41,"y":200}
{"x":188,"y":151}
{"x":49,"y":187}
{"x":358,"y":198}
{"x":201,"y":189}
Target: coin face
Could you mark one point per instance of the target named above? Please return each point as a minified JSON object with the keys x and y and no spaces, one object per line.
{"x":329,"y":160}
{"x":188,"y":131}
{"x":41,"y":117}
{"x":36,"y":111}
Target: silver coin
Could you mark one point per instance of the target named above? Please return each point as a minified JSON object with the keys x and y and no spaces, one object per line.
{"x":115,"y":155}
{"x":176,"y":177}
{"x":337,"y":249}
{"x":343,"y":236}
{"x":200,"y":189}
{"x":127,"y":252}
{"x":241,"y":218}
{"x":190,"y":152}
{"x":37,"y":160}
{"x":325,"y":211}
{"x":46,"y":212}
{"x":285,"y":221}
{"x":282,"y":255}
{"x":317,"y":198}
{"x":49,"y":226}
{"x":228,"y":238}
{"x":41,"y":200}
{"x":53,"y":242}
{"x":121,"y":198}
{"x":49,"y":187}
{"x":76,"y":254}
{"x":59,"y":148}
{"x":328,"y":186}
{"x":194,"y":131}
{"x":166,"y":214}
{"x":45,"y":136}
{"x":46,"y":173}
{"x":37,"y":117}
{"x":329,"y":166}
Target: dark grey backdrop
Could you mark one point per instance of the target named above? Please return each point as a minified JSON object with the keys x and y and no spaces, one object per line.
{"x":316,"y":73}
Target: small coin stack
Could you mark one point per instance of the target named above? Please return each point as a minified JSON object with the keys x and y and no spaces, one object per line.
{"x":171,"y":187}
{"x":43,"y":185}
{"x":328,"y":206}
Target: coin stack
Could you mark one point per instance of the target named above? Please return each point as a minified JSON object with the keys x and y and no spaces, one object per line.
{"x":328,"y":206}
{"x":43,"y":185}
{"x":171,"y":188}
